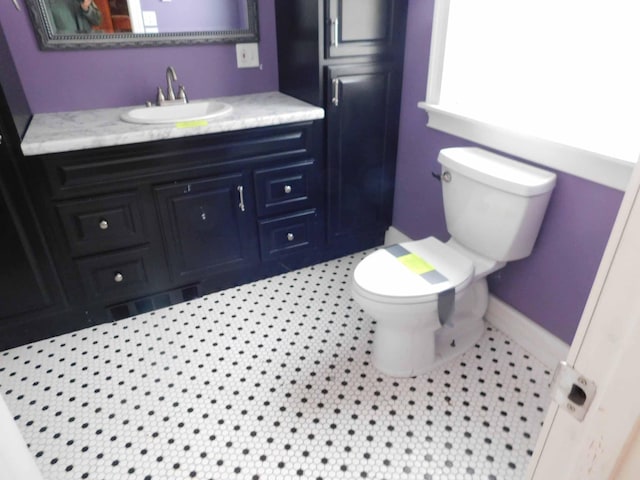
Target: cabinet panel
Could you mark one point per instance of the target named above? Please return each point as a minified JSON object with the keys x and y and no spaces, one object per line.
{"x":123,"y":167}
{"x":22,"y":288}
{"x":116,"y":275}
{"x":362,"y":27}
{"x":361,"y":147}
{"x":285,"y":188}
{"x":207,"y":225}
{"x":283,"y":235}
{"x":103,"y":223}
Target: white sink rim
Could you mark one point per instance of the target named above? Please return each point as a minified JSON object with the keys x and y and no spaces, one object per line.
{"x":168,"y":114}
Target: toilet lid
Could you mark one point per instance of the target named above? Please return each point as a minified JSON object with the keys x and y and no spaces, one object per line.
{"x":413,"y":271}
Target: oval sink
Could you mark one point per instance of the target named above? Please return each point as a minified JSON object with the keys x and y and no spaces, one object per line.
{"x":187,"y":112}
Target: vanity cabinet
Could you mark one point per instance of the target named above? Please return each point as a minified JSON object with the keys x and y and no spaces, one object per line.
{"x":347,"y":57}
{"x":137,"y":227}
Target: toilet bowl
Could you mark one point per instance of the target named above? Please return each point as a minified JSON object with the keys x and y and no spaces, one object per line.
{"x":428,"y":298}
{"x":422,"y":318}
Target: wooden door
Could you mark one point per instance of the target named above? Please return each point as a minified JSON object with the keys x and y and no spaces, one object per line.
{"x":208,"y":225}
{"x":363,"y":27}
{"x":606,"y":351}
{"x":361,"y":147}
{"x":22,"y":287}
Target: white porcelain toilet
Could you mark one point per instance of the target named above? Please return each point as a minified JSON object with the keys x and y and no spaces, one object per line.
{"x":428,"y":297}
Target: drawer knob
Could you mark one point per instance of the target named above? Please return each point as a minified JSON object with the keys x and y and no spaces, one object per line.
{"x":118,"y":277}
{"x":290,"y":237}
{"x":287,"y":189}
{"x":103,"y":224}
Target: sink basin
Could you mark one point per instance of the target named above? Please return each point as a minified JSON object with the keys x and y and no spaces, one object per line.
{"x":186,"y":112}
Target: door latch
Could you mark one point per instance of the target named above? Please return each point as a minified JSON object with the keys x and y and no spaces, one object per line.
{"x":572,"y":391}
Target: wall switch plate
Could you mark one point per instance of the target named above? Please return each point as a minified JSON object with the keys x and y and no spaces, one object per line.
{"x":247,"y":55}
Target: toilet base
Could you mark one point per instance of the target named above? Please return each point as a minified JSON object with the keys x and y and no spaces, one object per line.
{"x":422,"y":346}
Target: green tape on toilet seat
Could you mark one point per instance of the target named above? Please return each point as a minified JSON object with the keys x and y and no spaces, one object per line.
{"x":416,"y":264}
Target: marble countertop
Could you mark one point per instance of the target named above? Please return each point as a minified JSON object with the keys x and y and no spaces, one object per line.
{"x":69,"y":131}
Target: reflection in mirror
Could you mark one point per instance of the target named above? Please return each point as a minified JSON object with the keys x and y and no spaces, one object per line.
{"x":76,"y":24}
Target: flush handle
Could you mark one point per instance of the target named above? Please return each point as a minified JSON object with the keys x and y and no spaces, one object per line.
{"x":444,"y":176}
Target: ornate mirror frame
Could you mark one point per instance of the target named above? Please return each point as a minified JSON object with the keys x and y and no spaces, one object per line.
{"x":49,"y":40}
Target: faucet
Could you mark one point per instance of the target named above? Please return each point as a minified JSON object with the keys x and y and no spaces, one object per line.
{"x":171,"y":77}
{"x":170,"y":97}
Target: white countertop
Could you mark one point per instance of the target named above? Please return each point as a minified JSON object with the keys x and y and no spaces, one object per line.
{"x":68,"y":131}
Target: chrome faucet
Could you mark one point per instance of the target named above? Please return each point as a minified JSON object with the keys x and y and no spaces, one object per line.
{"x":170,"y":97}
{"x":171,"y":77}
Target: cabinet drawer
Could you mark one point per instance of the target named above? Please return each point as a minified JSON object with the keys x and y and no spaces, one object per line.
{"x":102,"y":223}
{"x":285,"y":188}
{"x":116,"y":275}
{"x":287,"y":234}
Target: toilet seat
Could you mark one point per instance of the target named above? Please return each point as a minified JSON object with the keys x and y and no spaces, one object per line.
{"x":385,"y":276}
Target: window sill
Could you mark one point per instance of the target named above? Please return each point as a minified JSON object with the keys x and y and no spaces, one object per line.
{"x":612,"y":172}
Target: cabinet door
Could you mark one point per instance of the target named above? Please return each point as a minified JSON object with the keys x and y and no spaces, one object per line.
{"x":363,"y":27}
{"x":362,"y":126}
{"x":22,"y":288}
{"x":208,"y":225}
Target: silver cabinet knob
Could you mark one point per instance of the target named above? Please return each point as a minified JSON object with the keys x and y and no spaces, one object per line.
{"x":290,"y":237}
{"x":103,"y":224}
{"x":118,"y":277}
{"x":287,"y":189}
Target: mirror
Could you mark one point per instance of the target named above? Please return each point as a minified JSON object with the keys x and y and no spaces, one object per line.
{"x":84,"y":24}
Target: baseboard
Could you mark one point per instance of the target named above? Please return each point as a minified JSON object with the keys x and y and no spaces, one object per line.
{"x":542,"y":344}
{"x":393,"y":236}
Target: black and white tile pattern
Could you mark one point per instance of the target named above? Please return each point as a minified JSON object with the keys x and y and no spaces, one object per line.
{"x":271,"y":380}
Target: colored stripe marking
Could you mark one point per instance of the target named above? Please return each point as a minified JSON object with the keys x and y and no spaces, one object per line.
{"x":416,"y":264}
{"x":192,"y":123}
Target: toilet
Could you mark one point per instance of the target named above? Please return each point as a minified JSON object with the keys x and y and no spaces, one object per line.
{"x":428,"y":297}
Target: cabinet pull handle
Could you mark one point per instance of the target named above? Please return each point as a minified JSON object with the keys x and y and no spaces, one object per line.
{"x":334,"y":32}
{"x":287,"y":189}
{"x":103,"y":224}
{"x":336,"y":92}
{"x":290,"y":237}
{"x":241,"y":195}
{"x":118,"y":277}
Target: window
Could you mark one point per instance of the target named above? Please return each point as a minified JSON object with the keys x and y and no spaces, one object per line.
{"x":556,"y":82}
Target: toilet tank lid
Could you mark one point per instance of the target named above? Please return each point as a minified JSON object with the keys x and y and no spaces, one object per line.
{"x":498,"y":171}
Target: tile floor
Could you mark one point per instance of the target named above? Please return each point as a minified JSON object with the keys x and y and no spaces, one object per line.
{"x":270,"y":381}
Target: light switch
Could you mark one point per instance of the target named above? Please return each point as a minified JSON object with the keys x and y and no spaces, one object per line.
{"x":247,"y":55}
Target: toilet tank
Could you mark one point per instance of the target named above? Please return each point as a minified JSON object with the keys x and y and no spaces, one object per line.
{"x":493,"y":205}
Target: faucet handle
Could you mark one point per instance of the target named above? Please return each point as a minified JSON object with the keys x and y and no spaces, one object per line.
{"x":160,"y":97}
{"x":182,"y":94}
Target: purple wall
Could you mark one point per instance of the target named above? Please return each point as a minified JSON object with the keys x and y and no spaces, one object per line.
{"x":57,"y":81}
{"x":551,"y":286}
